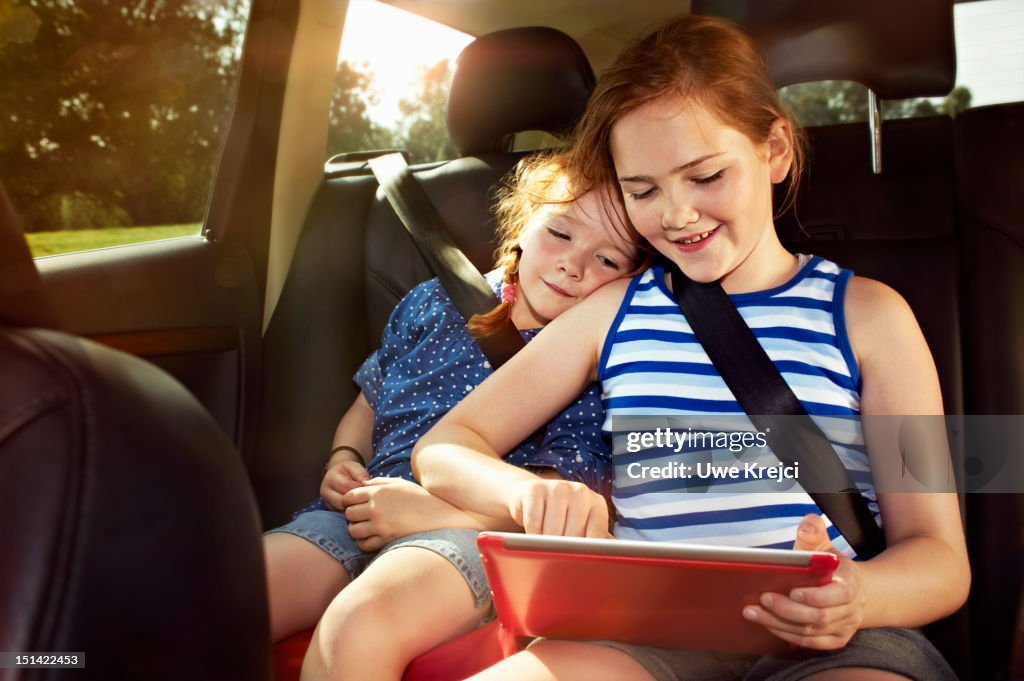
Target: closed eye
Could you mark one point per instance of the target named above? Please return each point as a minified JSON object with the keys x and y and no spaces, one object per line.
{"x":608,"y":262}
{"x":709,"y":179}
{"x":558,"y":235}
{"x":640,"y":196}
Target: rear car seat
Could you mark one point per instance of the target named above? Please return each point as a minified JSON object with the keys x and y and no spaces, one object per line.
{"x":990,"y":163}
{"x":112,"y":480}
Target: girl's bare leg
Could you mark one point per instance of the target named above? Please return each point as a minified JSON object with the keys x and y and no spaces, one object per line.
{"x":407,"y":601}
{"x":301,"y":582}
{"x":551,"y":660}
{"x":857,"y":674}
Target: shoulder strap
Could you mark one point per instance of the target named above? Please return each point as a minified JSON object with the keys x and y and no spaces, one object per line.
{"x":461,"y":279}
{"x":774,"y":410}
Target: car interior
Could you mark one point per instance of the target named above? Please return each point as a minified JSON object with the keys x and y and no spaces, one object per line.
{"x":162,"y":404}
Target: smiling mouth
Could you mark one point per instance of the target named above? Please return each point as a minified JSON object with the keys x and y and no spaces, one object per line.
{"x":560,"y":291}
{"x":695,"y":238}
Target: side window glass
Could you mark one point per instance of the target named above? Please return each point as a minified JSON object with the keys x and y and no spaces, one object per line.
{"x":990,"y":70}
{"x":830,"y":102}
{"x":112,"y":116}
{"x":391,"y":87}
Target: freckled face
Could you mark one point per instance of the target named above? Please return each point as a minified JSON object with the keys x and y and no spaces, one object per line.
{"x":701,"y":192}
{"x":569,"y":251}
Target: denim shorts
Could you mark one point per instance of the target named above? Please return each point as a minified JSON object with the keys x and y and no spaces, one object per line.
{"x":901,"y":651}
{"x":329,"y":531}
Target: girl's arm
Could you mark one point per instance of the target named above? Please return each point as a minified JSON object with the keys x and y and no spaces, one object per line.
{"x":459,"y":459}
{"x":923,"y":575}
{"x":345,"y":469}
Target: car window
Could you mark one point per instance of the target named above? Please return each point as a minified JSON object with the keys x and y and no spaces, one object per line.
{"x":113,"y":116}
{"x":391,"y":86}
{"x":990,"y":70}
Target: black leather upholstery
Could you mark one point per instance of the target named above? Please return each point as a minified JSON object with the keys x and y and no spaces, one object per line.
{"x":129,"y":530}
{"x":943,"y":225}
{"x":898,"y":227}
{"x":897,"y":49}
{"x":519,"y":79}
{"x":990,"y":164}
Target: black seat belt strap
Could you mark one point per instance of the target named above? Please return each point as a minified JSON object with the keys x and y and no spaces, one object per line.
{"x":467,"y":288}
{"x":772,"y":407}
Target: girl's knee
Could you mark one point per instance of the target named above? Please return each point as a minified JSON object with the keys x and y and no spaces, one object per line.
{"x":360,"y":617}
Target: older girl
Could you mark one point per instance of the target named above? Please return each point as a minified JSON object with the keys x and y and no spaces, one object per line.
{"x":689,"y":125}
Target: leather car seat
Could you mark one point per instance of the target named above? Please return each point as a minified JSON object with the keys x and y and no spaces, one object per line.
{"x":130,"y":534}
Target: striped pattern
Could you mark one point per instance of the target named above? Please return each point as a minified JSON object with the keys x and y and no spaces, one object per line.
{"x":653,"y":368}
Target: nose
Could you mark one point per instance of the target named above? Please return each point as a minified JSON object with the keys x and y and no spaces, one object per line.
{"x":679,"y":212}
{"x":572,"y":266}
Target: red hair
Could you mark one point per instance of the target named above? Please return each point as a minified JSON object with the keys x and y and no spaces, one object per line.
{"x":538,"y":181}
{"x":692,"y":59}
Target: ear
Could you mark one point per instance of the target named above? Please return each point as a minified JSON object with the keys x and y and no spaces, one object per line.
{"x":780,"y":149}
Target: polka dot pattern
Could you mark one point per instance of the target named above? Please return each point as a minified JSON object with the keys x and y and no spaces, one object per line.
{"x":428,"y":362}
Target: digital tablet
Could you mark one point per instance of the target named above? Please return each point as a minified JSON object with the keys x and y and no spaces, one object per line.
{"x":657,"y":594}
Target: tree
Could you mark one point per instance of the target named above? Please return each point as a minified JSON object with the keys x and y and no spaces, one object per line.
{"x":351,"y":128}
{"x":116,"y":106}
{"x":424,"y":130}
{"x":832,"y":102}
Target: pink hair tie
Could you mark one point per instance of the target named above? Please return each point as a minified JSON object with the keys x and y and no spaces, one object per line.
{"x":508,"y":293}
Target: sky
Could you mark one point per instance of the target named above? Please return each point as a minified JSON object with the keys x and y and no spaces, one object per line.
{"x":990,"y":49}
{"x":410,"y":42}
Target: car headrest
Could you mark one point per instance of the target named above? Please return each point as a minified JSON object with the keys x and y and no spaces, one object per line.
{"x":897,"y":49}
{"x":518,"y":79}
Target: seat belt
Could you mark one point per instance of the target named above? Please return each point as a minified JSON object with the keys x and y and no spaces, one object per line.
{"x":467,"y":288}
{"x":774,"y":410}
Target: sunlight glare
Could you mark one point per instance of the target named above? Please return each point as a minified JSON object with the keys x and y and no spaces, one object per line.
{"x":394,"y":43}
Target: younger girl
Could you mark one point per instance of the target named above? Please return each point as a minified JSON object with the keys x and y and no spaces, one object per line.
{"x":413,"y":595}
{"x":689,"y":124}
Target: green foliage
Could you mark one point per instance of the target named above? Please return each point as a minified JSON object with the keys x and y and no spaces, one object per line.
{"x":424,"y":130}
{"x":122,"y":102}
{"x":53,"y":243}
{"x":831,"y":102}
{"x":75,"y":210}
{"x":351,"y":128}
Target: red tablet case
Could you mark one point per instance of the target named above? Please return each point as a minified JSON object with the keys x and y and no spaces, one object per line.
{"x":662,"y":602}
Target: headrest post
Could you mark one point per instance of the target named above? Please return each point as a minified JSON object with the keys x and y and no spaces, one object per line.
{"x":875,"y":129}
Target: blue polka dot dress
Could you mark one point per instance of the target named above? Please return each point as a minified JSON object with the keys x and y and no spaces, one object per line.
{"x":428,"y":362}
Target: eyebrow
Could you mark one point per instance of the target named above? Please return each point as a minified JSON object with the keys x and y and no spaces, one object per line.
{"x":685,"y":166}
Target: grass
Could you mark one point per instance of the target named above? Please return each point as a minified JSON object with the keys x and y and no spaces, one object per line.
{"x":52,"y":243}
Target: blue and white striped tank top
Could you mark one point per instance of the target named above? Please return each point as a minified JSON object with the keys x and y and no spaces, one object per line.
{"x":653,"y":370}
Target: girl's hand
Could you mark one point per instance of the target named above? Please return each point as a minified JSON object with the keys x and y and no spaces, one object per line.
{"x":381,"y":510}
{"x":560,"y":507}
{"x":341,"y":477}
{"x":824,"y":617}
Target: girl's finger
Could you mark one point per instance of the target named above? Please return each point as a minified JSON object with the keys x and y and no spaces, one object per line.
{"x":362,"y":530}
{"x":357,"y":495}
{"x":814,"y":642}
{"x":809,"y":622}
{"x":357,"y":513}
{"x":577,"y":519}
{"x":555,"y":510}
{"x":835,"y":593}
{"x":333,"y":499}
{"x":533,"y":510}
{"x":371,"y":544}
